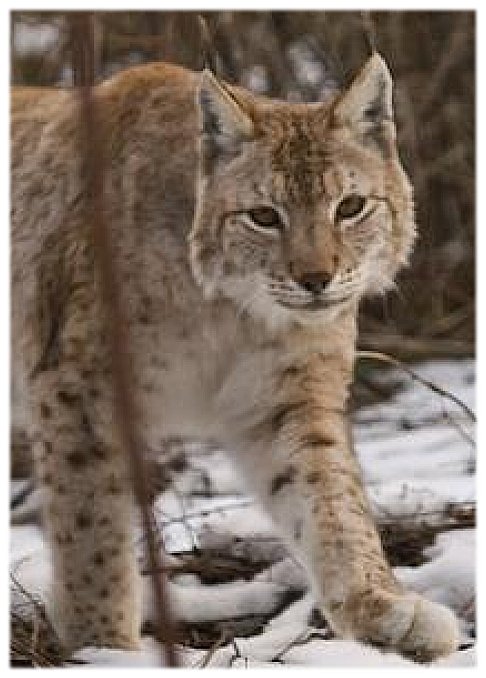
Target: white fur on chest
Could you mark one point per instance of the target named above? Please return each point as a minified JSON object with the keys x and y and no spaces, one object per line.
{"x":201,"y":386}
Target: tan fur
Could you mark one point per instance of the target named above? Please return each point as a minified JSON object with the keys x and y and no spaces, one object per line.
{"x":234,"y":335}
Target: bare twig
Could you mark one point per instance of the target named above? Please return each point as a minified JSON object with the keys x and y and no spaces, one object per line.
{"x":369,"y":30}
{"x":384,"y":358}
{"x":210,"y":57}
{"x":415,"y":347}
{"x":305,"y":637}
{"x":457,"y":44}
{"x":455,"y":424}
{"x":222,"y":640}
{"x":82,"y":40}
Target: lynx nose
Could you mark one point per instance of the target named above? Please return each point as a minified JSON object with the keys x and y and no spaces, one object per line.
{"x":315,"y":282}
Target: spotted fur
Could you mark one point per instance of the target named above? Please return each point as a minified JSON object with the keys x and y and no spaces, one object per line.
{"x":238,"y":331}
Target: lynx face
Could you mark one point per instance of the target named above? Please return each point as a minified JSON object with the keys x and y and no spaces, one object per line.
{"x":301,"y":209}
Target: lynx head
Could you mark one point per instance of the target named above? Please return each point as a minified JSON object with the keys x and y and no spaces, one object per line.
{"x":301,"y":208}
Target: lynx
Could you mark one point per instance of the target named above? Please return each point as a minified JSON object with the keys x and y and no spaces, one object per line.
{"x":246,"y":231}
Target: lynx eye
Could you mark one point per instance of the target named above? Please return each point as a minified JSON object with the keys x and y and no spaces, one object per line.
{"x":350,"y":206}
{"x":265,"y":217}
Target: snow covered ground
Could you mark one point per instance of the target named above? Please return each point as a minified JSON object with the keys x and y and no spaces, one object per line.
{"x":418,"y":458}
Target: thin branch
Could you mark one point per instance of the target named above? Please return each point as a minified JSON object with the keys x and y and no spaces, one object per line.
{"x":302,"y":639}
{"x":222,"y":640}
{"x":415,"y":347}
{"x":456,"y":425}
{"x":384,"y":358}
{"x":369,"y":30}
{"x":82,"y":40}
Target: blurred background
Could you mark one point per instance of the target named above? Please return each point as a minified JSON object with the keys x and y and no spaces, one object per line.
{"x":304,"y":56}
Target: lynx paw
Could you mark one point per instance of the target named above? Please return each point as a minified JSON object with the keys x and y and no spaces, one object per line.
{"x":409,"y":624}
{"x":433,"y":630}
{"x":413,"y":626}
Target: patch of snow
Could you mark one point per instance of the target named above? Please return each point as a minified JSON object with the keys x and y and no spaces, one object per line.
{"x":307,"y":68}
{"x":219,"y":601}
{"x":34,"y":39}
{"x":414,"y":463}
{"x":256,"y":79}
{"x":449,"y":577}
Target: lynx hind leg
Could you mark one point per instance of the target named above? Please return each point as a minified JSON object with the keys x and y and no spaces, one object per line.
{"x":94,"y":593}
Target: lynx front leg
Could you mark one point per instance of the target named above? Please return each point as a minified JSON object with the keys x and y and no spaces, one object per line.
{"x":314,"y":491}
{"x":94,"y":596}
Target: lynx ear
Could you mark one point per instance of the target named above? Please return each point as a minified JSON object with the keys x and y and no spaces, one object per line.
{"x":366,"y":106}
{"x":224,"y":120}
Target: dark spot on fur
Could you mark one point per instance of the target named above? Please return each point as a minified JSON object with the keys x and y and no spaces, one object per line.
{"x":64,"y":539}
{"x":317,"y":440}
{"x":279,"y":481}
{"x":281,"y":413}
{"x":90,"y":607}
{"x":77,"y":459}
{"x":291,"y":371}
{"x":86,"y":426}
{"x":120,"y":615}
{"x":114,"y":486}
{"x":104,"y":619}
{"x":103,"y":593}
{"x":61,"y":489}
{"x":84,"y":520}
{"x":45,"y":411}
{"x":99,"y":452}
{"x":99,"y":559}
{"x":69,"y":399}
{"x":48,"y":447}
{"x":298,"y":530}
{"x":93,"y":392}
{"x":104,"y":520}
{"x":87,"y":579}
{"x":313,"y":477}
{"x":47,"y":479}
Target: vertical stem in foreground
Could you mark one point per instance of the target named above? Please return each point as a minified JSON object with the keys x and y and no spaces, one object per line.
{"x":82,"y":45}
